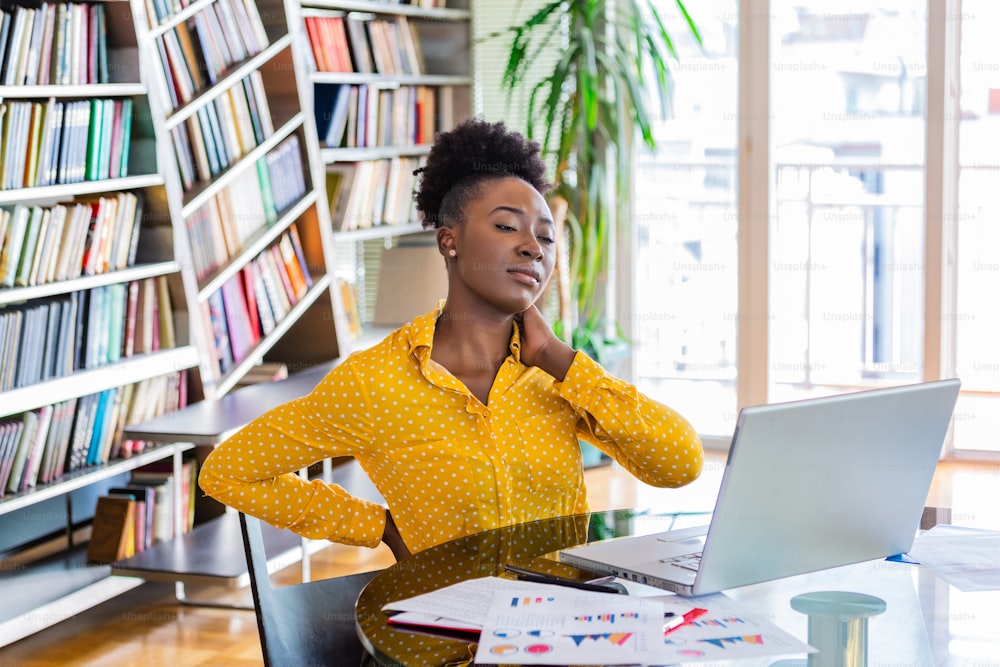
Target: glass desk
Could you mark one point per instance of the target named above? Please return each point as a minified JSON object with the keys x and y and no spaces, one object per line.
{"x":925,"y":622}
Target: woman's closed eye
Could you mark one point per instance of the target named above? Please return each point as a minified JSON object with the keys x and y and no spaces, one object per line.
{"x":547,"y":240}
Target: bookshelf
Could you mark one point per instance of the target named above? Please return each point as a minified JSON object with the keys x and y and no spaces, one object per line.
{"x":92,"y":312}
{"x":203,"y":118}
{"x":246,"y":216}
{"x":383,"y":78}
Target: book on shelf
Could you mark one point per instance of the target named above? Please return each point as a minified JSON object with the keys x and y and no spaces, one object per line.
{"x":111,"y":537}
{"x":216,"y":37}
{"x":165,"y":312}
{"x":161,"y":488}
{"x":373,"y":192}
{"x":10,"y":256}
{"x":150,"y":398}
{"x":295,"y":263}
{"x":10,"y":437}
{"x":262,"y":373}
{"x":30,"y":243}
{"x":160,"y":476}
{"x":58,"y":142}
{"x":266,"y":189}
{"x":288,"y":287}
{"x":62,"y":428}
{"x":260,"y":100}
{"x":92,"y":451}
{"x":361,"y":50}
{"x":284,"y":179}
{"x":53,"y":43}
{"x":144,"y":498}
{"x":120,"y":418}
{"x":330,"y":104}
{"x":252,"y":307}
{"x":219,"y":335}
{"x":229,"y":31}
{"x":26,"y":437}
{"x":352,"y":309}
{"x":86,"y":237}
{"x":242,"y":337}
{"x":275,"y":284}
{"x":53,"y":332}
{"x":328,"y":40}
{"x":118,"y":307}
{"x":300,"y":255}
{"x":33,"y":463}
{"x":265,"y":312}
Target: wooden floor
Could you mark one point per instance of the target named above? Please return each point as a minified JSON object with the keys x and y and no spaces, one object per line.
{"x":147,"y":626}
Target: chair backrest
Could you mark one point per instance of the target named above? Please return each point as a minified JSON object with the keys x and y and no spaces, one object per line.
{"x":305,"y":624}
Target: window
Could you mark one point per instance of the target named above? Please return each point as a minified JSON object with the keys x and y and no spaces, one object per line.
{"x":846,"y":270}
{"x":848,"y":190}
{"x":684,"y":315}
{"x":977,"y":317}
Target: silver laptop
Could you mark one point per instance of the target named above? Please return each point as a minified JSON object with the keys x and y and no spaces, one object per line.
{"x":809,"y":485}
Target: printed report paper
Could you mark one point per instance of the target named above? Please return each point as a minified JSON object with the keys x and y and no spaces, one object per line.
{"x":569,"y":626}
{"x":727,"y":632}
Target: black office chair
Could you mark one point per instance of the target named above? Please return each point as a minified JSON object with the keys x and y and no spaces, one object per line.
{"x":307,"y":624}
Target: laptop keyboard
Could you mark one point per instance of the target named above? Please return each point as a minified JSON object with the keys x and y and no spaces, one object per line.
{"x":687,"y":561}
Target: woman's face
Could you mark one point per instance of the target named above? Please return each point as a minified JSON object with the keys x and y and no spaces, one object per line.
{"x":505,"y":248}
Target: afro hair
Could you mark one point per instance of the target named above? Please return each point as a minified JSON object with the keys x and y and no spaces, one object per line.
{"x":463,"y":158}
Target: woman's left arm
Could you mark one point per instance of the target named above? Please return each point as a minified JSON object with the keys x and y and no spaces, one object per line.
{"x":653,"y":442}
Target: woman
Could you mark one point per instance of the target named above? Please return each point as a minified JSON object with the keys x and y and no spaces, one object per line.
{"x":468,"y":417}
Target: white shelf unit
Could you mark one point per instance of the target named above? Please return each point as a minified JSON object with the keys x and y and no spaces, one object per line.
{"x":305,"y":335}
{"x":45,"y":578}
{"x":445,"y":37}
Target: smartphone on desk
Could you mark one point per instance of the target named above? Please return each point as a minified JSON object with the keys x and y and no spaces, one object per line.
{"x":547,"y":571}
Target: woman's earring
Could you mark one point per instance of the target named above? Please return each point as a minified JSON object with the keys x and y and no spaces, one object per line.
{"x":452,"y":252}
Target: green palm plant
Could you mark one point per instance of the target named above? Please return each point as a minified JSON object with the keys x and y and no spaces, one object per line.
{"x":610,"y":79}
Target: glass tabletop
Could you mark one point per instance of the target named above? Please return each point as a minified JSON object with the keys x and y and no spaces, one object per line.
{"x":925,"y":621}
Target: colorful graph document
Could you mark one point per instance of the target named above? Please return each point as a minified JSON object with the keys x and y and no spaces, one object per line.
{"x":727,"y":632}
{"x":541,"y":624}
{"x":570,"y":627}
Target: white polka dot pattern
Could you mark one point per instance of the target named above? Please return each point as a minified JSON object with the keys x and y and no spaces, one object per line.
{"x":446,"y":464}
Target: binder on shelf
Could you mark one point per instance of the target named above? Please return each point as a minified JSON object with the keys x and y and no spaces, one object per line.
{"x":144,"y":498}
{"x":111,"y":537}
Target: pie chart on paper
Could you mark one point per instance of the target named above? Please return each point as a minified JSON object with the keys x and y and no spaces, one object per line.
{"x":538,"y":649}
{"x":504,"y":649}
{"x":506,"y":634}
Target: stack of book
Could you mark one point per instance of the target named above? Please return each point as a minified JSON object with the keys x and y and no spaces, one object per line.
{"x":132,"y":518}
{"x":368,"y":115}
{"x":53,"y":44}
{"x":53,"y":142}
{"x":195,"y":54}
{"x":44,"y":244}
{"x":355,"y":42}
{"x":221,"y":132}
{"x":376,"y":192}
{"x":41,"y":445}
{"x":256,"y":299}
{"x":53,"y":337}
{"x":252,"y":201}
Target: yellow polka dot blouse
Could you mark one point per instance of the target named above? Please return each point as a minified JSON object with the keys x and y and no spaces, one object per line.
{"x":446,"y":464}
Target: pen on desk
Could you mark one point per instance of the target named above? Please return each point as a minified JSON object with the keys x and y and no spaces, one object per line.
{"x":677,"y":621}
